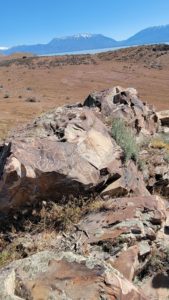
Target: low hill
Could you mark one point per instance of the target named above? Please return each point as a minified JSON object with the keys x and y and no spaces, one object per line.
{"x":151,"y":35}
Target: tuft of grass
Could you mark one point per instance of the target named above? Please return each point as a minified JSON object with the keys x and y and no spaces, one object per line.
{"x":64,"y":216}
{"x":51,"y":216}
{"x":4,"y":258}
{"x":67,"y":215}
{"x":125,"y":138}
{"x":162,"y":142}
{"x":31,"y":99}
{"x":95,"y":206}
{"x":6,"y":96}
{"x":9,"y":254}
{"x":159,"y":143}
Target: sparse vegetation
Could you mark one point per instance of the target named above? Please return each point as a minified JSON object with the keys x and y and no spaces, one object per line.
{"x":52,"y":216}
{"x":29,"y":88}
{"x":31,"y":99}
{"x":4,"y":257}
{"x":6,"y":96}
{"x":124,"y":137}
{"x":12,"y":252}
{"x":46,"y":219}
{"x":161,"y":142}
{"x":63,"y":216}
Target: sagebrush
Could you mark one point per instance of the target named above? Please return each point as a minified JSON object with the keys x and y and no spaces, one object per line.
{"x":125,"y":138}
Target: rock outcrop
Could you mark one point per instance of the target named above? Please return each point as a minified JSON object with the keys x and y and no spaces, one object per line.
{"x":124,"y":103}
{"x":99,"y":259}
{"x":78,"y":156}
{"x":62,"y":276}
{"x":123,"y":228}
{"x":69,"y":151}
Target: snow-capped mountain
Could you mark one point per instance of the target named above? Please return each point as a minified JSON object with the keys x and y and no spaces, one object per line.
{"x":67,"y":44}
{"x":78,"y":36}
{"x":88,"y":41}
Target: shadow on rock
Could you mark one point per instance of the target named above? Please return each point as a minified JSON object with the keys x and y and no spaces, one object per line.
{"x":160,"y":281}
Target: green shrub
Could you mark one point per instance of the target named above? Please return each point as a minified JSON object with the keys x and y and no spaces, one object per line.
{"x":124,"y":137}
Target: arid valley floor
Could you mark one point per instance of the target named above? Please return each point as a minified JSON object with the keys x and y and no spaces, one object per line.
{"x":32,"y":85}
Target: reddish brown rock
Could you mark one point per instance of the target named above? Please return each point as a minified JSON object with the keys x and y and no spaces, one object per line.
{"x":77,"y":157}
{"x":68,"y":151}
{"x":156,"y":170}
{"x":130,"y":182}
{"x":120,"y":224}
{"x":123,"y":232}
{"x":123,"y":215}
{"x":68,"y":277}
{"x":127,"y":262}
{"x":123,"y":103}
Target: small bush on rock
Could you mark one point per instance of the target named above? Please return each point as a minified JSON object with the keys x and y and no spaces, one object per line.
{"x":124,"y":137}
{"x":31,"y":99}
{"x":161,"y":142}
{"x":6,"y":96}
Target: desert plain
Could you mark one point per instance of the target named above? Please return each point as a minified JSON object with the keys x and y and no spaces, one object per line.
{"x":31,"y":85}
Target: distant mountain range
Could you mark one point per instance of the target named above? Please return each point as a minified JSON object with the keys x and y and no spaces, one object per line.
{"x":67,"y":44}
{"x":151,"y":35}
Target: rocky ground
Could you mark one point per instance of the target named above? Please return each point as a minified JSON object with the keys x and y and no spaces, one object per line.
{"x":32,"y":85}
{"x":84,"y":202}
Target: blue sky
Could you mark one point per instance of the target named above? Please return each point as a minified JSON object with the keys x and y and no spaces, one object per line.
{"x":38,"y":21}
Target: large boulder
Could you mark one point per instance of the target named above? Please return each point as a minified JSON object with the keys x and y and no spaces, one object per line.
{"x":66,"y":152}
{"x":60,"y":276}
{"x":69,"y":151}
{"x":123,"y":103}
